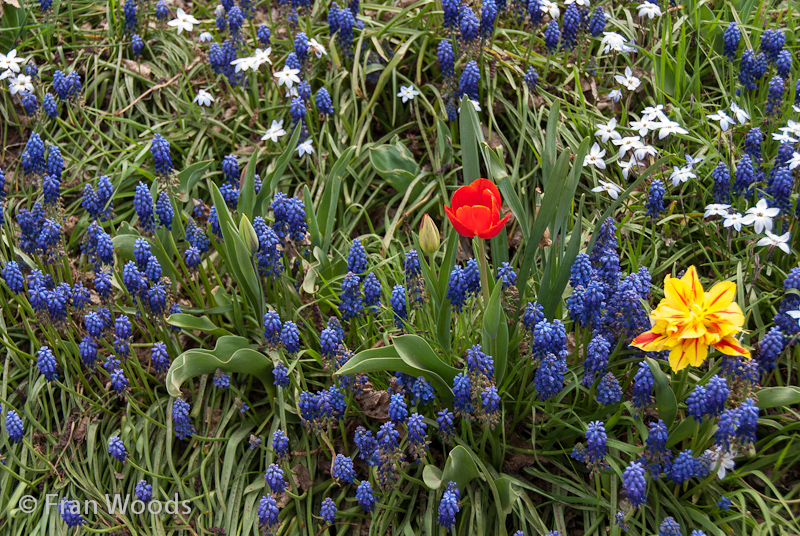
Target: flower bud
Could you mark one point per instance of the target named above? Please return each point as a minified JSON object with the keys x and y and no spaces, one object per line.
{"x":429,"y":235}
{"x":248,"y":234}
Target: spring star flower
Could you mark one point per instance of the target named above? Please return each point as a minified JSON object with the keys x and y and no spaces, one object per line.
{"x":317,"y":48}
{"x":305,"y":148}
{"x":275,"y":131}
{"x":665,"y":128}
{"x":613,"y":41}
{"x":475,"y":210}
{"x":628,"y":81}
{"x":724,"y":120}
{"x":733,"y":220}
{"x":608,"y":131}
{"x":725,"y":459}
{"x":783,"y":137}
{"x":203,"y":98}
{"x":740,"y":115}
{"x":628,"y":143}
{"x":760,"y":216}
{"x":206,"y":37}
{"x":794,"y":161}
{"x":595,"y":157}
{"x":649,"y":10}
{"x":689,"y":320}
{"x":773,"y":240}
{"x":10,"y":61}
{"x":20,"y":84}
{"x":680,"y":175}
{"x":795,"y":315}
{"x":615,"y":95}
{"x":612,"y":189}
{"x":183,"y":21}
{"x":287,"y":76}
{"x":716,"y":210}
{"x":628,"y":166}
{"x":407,"y":93}
{"x":551,"y":8}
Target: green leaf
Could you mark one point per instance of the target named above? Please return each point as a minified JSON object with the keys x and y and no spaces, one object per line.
{"x":187,"y":179}
{"x":495,"y":333}
{"x":196,"y":323}
{"x":326,"y":216}
{"x":517,"y":209}
{"x":232,"y":354}
{"x":395,"y":163}
{"x":247,"y":200}
{"x":415,"y":351}
{"x":506,"y":493}
{"x":555,"y":289}
{"x":470,"y":133}
{"x":459,"y":468}
{"x":388,"y":359}
{"x":777,"y":397}
{"x":665,"y":398}
{"x":270,"y":182}
{"x":550,"y":148}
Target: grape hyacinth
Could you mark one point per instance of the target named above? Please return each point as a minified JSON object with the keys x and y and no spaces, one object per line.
{"x":117,"y":449}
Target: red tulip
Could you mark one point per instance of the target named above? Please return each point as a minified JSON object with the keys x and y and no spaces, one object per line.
{"x":475,"y":210}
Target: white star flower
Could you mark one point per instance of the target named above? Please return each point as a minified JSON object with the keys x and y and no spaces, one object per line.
{"x":305,"y":148}
{"x":317,"y":48}
{"x":739,"y":114}
{"x":724,"y":120}
{"x":794,"y":161}
{"x":407,"y":93}
{"x":183,"y":21}
{"x":260,"y":57}
{"x":680,"y":175}
{"x":628,"y":81}
{"x":615,"y":95}
{"x":612,"y":189}
{"x":203,"y":98}
{"x":205,"y":37}
{"x":692,"y":160}
{"x":20,"y":84}
{"x":772,"y":240}
{"x":243,"y":64}
{"x":608,"y":131}
{"x":795,"y":315}
{"x":649,"y":10}
{"x":551,"y":8}
{"x":613,"y":41}
{"x":760,"y":216}
{"x":292,"y":92}
{"x":734,"y":220}
{"x":628,"y":166}
{"x":641,"y":153}
{"x":792,"y":127}
{"x":628,"y":143}
{"x":642,"y":126}
{"x":584,"y":3}
{"x":665,"y":128}
{"x":783,"y":137}
{"x":595,"y":157}
{"x":725,"y":459}
{"x":716,"y":209}
{"x":10,"y":61}
{"x":287,"y":76}
{"x":655,"y":113}
{"x":275,"y":131}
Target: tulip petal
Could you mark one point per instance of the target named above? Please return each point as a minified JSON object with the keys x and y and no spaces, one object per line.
{"x":649,"y":341}
{"x":732,"y":315}
{"x":460,"y":228}
{"x":720,"y":296}
{"x":691,"y":352}
{"x":476,"y":218}
{"x":678,"y":294}
{"x":730,"y":346}
{"x":691,"y":278}
{"x":495,"y":229}
{"x":485,"y":185}
{"x":467,"y":196}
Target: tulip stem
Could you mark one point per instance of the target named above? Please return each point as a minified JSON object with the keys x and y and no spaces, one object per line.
{"x":484,"y":269}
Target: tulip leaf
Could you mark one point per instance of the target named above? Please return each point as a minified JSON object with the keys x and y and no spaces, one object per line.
{"x":469,"y":132}
{"x":388,"y":359}
{"x":776,"y":397}
{"x":511,"y":198}
{"x":415,"y":351}
{"x":196,"y":323}
{"x":188,"y":177}
{"x":665,"y":397}
{"x":270,"y":182}
{"x":395,"y":164}
{"x":550,"y":148}
{"x":231,"y":354}
{"x":247,"y":199}
{"x":459,"y":468}
{"x":495,"y":333}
